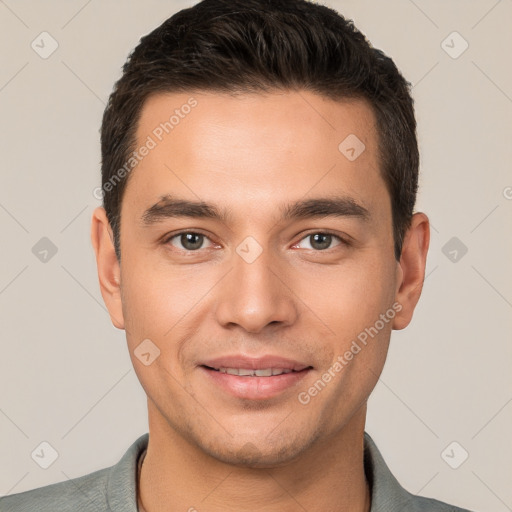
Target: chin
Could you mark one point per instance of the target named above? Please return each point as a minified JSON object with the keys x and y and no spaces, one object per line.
{"x":259,"y":453}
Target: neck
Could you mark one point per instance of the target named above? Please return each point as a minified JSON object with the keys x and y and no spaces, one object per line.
{"x":330,"y":476}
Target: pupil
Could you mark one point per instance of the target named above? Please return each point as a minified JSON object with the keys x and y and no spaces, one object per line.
{"x":319,"y":244}
{"x":192,"y":241}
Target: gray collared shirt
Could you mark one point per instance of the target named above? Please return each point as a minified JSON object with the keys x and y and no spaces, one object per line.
{"x":114,"y":489}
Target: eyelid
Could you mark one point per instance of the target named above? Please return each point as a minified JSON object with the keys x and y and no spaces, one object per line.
{"x":167,"y":238}
{"x":343,"y":241}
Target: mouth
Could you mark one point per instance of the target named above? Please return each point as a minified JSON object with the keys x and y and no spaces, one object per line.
{"x":248,"y":372}
{"x":255,"y":380}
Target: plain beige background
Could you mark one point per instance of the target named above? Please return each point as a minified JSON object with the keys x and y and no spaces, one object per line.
{"x":65,"y":374}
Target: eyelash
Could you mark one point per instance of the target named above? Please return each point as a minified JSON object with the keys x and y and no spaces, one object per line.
{"x":342,"y":241}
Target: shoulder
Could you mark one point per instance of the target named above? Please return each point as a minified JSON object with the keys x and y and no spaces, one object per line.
{"x":413,"y":503}
{"x":87,"y":492}
{"x":112,"y":488}
{"x":387,"y":493}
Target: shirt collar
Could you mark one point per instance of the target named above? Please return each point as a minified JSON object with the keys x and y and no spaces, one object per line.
{"x":387,"y":495}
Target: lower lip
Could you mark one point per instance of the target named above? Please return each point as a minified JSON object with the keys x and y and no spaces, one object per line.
{"x":255,"y":388}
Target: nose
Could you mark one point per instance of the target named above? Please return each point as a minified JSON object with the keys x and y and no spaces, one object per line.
{"x":257,"y":295}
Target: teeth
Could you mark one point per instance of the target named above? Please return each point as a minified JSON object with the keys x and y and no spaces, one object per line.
{"x":267,"y":372}
{"x":245,"y":372}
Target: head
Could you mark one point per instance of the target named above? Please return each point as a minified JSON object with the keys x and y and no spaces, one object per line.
{"x":260,"y":46}
{"x":259,"y":171}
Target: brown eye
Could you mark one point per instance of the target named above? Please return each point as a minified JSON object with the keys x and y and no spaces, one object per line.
{"x":321,"y":241}
{"x":188,"y":241}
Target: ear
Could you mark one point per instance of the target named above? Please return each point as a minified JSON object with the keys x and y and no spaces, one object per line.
{"x":411,"y":269}
{"x":109,"y":272}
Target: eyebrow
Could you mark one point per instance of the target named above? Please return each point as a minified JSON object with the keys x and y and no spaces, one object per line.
{"x":172,"y":207}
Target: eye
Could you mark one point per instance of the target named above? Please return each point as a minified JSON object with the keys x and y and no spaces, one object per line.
{"x":321,"y":241}
{"x":189,"y":241}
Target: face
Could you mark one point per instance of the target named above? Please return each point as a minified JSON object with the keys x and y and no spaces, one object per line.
{"x":284,"y":263}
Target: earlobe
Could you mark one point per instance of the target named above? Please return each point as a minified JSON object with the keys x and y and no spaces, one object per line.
{"x":411,"y":269}
{"x":109,"y":272}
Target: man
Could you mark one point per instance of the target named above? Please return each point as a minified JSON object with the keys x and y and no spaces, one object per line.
{"x":258,"y":245}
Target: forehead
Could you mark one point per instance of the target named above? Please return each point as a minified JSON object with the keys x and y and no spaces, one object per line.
{"x":254,"y":149}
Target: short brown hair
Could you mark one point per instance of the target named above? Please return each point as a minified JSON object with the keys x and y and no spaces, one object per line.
{"x":259,"y":46}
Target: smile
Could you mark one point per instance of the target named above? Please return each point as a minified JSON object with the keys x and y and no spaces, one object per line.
{"x":254,"y":384}
{"x":246,"y":372}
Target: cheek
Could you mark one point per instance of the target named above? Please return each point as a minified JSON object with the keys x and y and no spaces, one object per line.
{"x":349,"y":297}
{"x":144,"y":307}
{"x":154,"y":295}
{"x":166,"y":304}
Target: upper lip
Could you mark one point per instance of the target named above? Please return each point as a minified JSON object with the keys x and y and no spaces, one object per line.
{"x":254,"y":363}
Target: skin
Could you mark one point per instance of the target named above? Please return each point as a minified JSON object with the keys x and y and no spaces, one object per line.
{"x":251,"y":154}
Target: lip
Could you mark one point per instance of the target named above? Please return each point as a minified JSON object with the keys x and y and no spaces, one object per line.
{"x":254,"y":363}
{"x":254,"y":388}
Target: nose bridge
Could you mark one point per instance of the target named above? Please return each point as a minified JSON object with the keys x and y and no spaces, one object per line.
{"x":255,"y":295}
